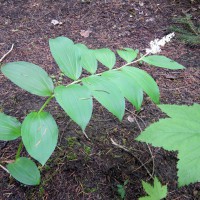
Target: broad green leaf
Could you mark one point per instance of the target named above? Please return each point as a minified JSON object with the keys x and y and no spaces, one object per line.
{"x":106,"y":57}
{"x":82,"y":48}
{"x":145,"y":81}
{"x":89,"y":61}
{"x":39,"y":135}
{"x":162,"y":61}
{"x":10,"y":128}
{"x":25,"y":171}
{"x":29,"y":77}
{"x":107,"y":94}
{"x":67,"y":56}
{"x":128,"y":54}
{"x":179,"y":133}
{"x":76,"y":100}
{"x":155,"y":192}
{"x":128,"y":87}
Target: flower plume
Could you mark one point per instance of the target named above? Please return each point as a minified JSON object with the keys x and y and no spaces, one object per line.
{"x":156,"y":44}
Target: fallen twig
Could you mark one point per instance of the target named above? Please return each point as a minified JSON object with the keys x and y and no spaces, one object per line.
{"x":126,"y":150}
{"x":152,"y":157}
{"x":86,"y":135}
{"x":3,"y":57}
{"x":4,"y":168}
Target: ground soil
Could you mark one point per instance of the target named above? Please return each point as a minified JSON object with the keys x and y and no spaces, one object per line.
{"x":82,"y":169}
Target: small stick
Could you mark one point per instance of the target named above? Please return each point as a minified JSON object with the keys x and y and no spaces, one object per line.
{"x":3,"y":57}
{"x":153,"y":162}
{"x":152,"y":157}
{"x":86,"y":135}
{"x":126,"y":150}
{"x":4,"y":169}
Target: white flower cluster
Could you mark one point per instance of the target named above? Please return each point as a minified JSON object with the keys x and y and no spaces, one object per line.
{"x":155,"y":44}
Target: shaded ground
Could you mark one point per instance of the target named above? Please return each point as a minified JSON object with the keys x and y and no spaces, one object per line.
{"x":79,"y":169}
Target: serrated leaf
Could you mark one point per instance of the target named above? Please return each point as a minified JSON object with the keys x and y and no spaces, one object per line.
{"x":39,"y":134}
{"x":155,"y":192}
{"x":128,"y":54}
{"x":181,"y":112}
{"x":29,"y":77}
{"x":162,"y":61}
{"x":179,"y":133}
{"x":25,"y":171}
{"x":128,"y":87}
{"x":76,"y":100}
{"x":106,"y":57}
{"x":107,"y":94}
{"x":10,"y":127}
{"x":145,"y":81}
{"x":67,"y":56}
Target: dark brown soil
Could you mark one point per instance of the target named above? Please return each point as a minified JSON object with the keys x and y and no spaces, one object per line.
{"x":80,"y":169}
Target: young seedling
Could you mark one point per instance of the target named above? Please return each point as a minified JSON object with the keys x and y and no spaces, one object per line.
{"x":121,"y":189}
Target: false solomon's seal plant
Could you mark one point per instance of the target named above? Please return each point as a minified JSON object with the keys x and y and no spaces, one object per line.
{"x":39,"y":132}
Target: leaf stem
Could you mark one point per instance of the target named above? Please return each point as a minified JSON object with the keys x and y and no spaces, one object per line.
{"x":79,"y":80}
{"x":127,"y":64}
{"x":19,"y":150}
{"x":46,"y":103}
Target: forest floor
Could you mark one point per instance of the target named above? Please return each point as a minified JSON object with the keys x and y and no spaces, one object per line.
{"x":82,"y":169}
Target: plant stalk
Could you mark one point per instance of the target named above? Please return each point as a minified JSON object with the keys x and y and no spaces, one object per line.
{"x":79,"y":80}
{"x":19,"y":150}
{"x":45,"y":103}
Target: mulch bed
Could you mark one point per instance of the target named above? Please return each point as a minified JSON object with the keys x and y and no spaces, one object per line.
{"x":81,"y":169}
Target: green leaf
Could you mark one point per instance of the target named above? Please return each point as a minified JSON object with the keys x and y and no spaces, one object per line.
{"x":145,"y":81}
{"x":88,"y":59}
{"x":82,"y":48}
{"x":121,"y":191}
{"x":179,"y":133}
{"x":128,"y":54}
{"x":67,"y":56}
{"x":155,"y":192}
{"x":29,"y":77}
{"x":107,"y":94}
{"x":162,"y":61}
{"x":10,"y":128}
{"x":89,"y":62}
{"x":25,"y":171}
{"x":76,"y":100}
{"x":128,"y":87}
{"x":106,"y":57}
{"x":39,"y":135}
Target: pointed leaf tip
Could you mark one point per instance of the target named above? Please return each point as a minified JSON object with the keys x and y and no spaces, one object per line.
{"x":106,"y":93}
{"x":128,"y":54}
{"x":39,"y":135}
{"x":76,"y":100}
{"x":163,"y":62}
{"x":106,"y":57}
{"x":25,"y":171}
{"x":29,"y":77}
{"x":10,"y":127}
{"x":67,"y":56}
